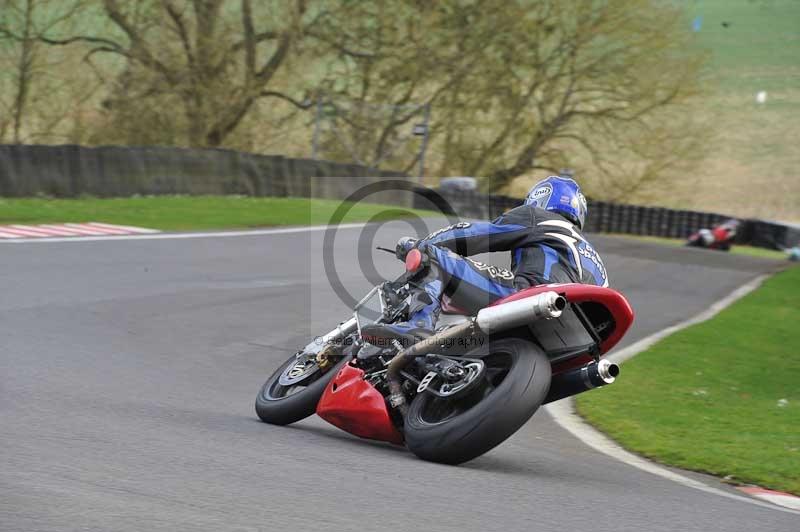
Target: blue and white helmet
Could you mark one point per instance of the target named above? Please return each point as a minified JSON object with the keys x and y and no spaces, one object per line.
{"x":561,"y":195}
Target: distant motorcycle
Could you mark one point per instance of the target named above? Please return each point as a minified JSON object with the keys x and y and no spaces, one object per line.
{"x":719,"y":237}
{"x":457,"y":394}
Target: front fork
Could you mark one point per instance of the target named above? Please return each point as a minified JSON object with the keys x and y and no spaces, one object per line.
{"x":335,"y":336}
{"x":329,"y":344}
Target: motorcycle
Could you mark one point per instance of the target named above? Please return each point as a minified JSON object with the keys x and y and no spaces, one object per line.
{"x":719,"y":237}
{"x":452,"y":396}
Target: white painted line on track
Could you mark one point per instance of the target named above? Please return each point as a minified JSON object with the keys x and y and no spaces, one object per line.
{"x":645,"y":343}
{"x":181,"y":236}
{"x":563,"y":411}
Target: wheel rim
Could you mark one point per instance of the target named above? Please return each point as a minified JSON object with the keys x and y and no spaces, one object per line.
{"x":297,"y":371}
{"x":296,"y":376}
{"x":437,"y":410}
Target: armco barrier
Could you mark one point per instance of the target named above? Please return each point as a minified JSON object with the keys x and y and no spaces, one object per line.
{"x":105,"y":171}
{"x":609,"y":217}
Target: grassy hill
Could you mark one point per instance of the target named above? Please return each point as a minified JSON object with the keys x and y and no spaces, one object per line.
{"x":754,"y":164}
{"x":752,"y":167}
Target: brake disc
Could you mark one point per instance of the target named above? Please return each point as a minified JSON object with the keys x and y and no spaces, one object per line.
{"x":302,"y":367}
{"x":475,"y":371}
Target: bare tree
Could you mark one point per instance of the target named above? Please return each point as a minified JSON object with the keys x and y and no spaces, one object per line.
{"x":517,"y":86}
{"x":563,"y":77}
{"x":24,"y":67}
{"x":28,"y":81}
{"x":391,"y":61}
{"x":514,"y":86}
{"x":210,"y":55}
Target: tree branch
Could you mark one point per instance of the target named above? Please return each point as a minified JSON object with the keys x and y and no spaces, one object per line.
{"x":138,"y":49}
{"x":271,"y":66}
{"x":177,"y":17}
{"x":306,"y":104}
{"x":249,"y":40}
{"x":256,"y":39}
{"x":112,"y":45}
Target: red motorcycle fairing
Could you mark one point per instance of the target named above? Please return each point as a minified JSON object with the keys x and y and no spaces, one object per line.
{"x":355,"y":406}
{"x":613,"y":301}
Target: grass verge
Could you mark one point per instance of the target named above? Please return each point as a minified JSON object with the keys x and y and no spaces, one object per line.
{"x":722,"y":397}
{"x":177,"y":213}
{"x":735,"y":250}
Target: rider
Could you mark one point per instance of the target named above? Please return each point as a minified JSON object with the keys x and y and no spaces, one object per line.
{"x":543,"y":236}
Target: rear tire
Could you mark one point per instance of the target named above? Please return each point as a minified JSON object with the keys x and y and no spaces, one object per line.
{"x":458,"y":430}
{"x":277,"y":409}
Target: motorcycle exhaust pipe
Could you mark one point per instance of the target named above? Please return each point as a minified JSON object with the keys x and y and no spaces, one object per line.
{"x":582,"y":379}
{"x":516,"y":313}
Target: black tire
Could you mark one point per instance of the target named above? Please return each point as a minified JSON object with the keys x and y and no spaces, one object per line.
{"x":283,"y":410}
{"x":489,"y":415}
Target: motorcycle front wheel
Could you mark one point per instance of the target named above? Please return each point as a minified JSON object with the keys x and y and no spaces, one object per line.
{"x":293,"y":391}
{"x":453,"y":431}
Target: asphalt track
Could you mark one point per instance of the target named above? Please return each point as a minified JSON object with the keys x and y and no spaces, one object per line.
{"x":128,"y":371}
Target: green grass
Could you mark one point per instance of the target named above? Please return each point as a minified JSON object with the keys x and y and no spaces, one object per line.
{"x":760,"y":44}
{"x":177,"y":213}
{"x":721,"y":397}
{"x":735,"y":250}
{"x":754,"y":154}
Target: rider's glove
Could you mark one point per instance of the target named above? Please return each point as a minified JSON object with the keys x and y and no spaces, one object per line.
{"x":404,"y":245}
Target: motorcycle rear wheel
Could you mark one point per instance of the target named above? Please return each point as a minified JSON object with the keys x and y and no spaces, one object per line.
{"x":453,"y":431}
{"x":281,"y":405}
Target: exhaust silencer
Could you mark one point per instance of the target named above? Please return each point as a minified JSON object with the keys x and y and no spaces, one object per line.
{"x":516,"y":313}
{"x":582,"y":379}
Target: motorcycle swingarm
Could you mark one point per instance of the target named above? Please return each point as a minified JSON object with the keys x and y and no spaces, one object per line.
{"x":416,"y":381}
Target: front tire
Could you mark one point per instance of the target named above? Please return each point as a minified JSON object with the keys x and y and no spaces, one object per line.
{"x":453,"y":431}
{"x":282,"y":405}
